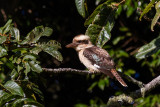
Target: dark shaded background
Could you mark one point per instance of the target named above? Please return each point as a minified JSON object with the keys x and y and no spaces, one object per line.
{"x":68,"y":89}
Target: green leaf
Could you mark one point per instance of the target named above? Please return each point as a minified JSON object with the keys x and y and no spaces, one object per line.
{"x":36,"y":50}
{"x":81,"y":7}
{"x":29,"y":57}
{"x":27,"y":66}
{"x":80,"y":105}
{"x":90,"y":19}
{"x":2,"y":93}
{"x":15,"y":32}
{"x":117,"y":40}
{"x":30,"y":105}
{"x":14,"y":74}
{"x":149,"y":48}
{"x":35,"y":67}
{"x":157,"y":15}
{"x":97,"y":2}
{"x":47,"y":31}
{"x":14,"y":88}
{"x":2,"y":39}
{"x":102,"y":22}
{"x":36,"y":90}
{"x":101,"y":84}
{"x":7,"y":26}
{"x":3,"y":51}
{"x":6,"y":98}
{"x":122,"y":53}
{"x":21,"y":101}
{"x":147,"y":9}
{"x":19,"y":68}
{"x":92,"y":86}
{"x":36,"y":33}
{"x":56,"y":54}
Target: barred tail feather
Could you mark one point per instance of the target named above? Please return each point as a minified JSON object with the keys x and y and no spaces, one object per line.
{"x":114,"y":72}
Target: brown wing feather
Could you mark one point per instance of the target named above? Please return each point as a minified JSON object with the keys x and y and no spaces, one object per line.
{"x":101,"y":58}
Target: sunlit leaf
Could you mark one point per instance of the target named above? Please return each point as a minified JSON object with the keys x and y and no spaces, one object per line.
{"x":19,"y":68}
{"x":149,"y":48}
{"x":80,"y":4}
{"x":97,"y":2}
{"x":2,"y":93}
{"x":14,"y":74}
{"x":29,"y":57}
{"x":50,"y":47}
{"x":36,"y":50}
{"x":27,"y":66}
{"x":35,"y":67}
{"x":157,"y":15}
{"x":7,"y":27}
{"x":3,"y":51}
{"x":147,"y":9}
{"x":47,"y":31}
{"x":20,"y":102}
{"x":102,"y":22}
{"x":14,"y":88}
{"x":20,"y":50}
{"x":15,"y":32}
{"x":36,"y":33}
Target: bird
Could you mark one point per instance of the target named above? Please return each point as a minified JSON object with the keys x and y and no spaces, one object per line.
{"x":95,"y":58}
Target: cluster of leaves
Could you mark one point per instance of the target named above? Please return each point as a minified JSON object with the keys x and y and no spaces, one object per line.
{"x":150,"y":101}
{"x":100,"y":23}
{"x":18,"y":59}
{"x":148,"y":8}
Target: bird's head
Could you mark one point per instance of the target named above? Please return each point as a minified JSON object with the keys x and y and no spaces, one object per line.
{"x":80,"y":42}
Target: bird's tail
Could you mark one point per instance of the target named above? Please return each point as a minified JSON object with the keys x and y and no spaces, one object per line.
{"x":118,"y":77}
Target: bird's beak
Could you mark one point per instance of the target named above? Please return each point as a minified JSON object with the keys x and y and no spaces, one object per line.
{"x":71,"y":45}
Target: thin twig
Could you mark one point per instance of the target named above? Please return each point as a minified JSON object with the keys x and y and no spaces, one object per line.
{"x":4,"y":15}
{"x":131,"y":79}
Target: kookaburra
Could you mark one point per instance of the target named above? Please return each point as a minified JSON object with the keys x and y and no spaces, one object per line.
{"x":94,"y":58}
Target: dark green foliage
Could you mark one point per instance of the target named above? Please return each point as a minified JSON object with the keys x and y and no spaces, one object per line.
{"x":81,"y":7}
{"x":20,"y":56}
{"x":100,"y":24}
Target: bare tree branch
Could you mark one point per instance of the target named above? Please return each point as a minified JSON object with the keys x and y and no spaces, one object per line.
{"x":59,"y":70}
{"x":124,"y":99}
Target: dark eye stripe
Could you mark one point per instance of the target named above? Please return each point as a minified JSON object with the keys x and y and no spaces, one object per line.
{"x":83,"y":41}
